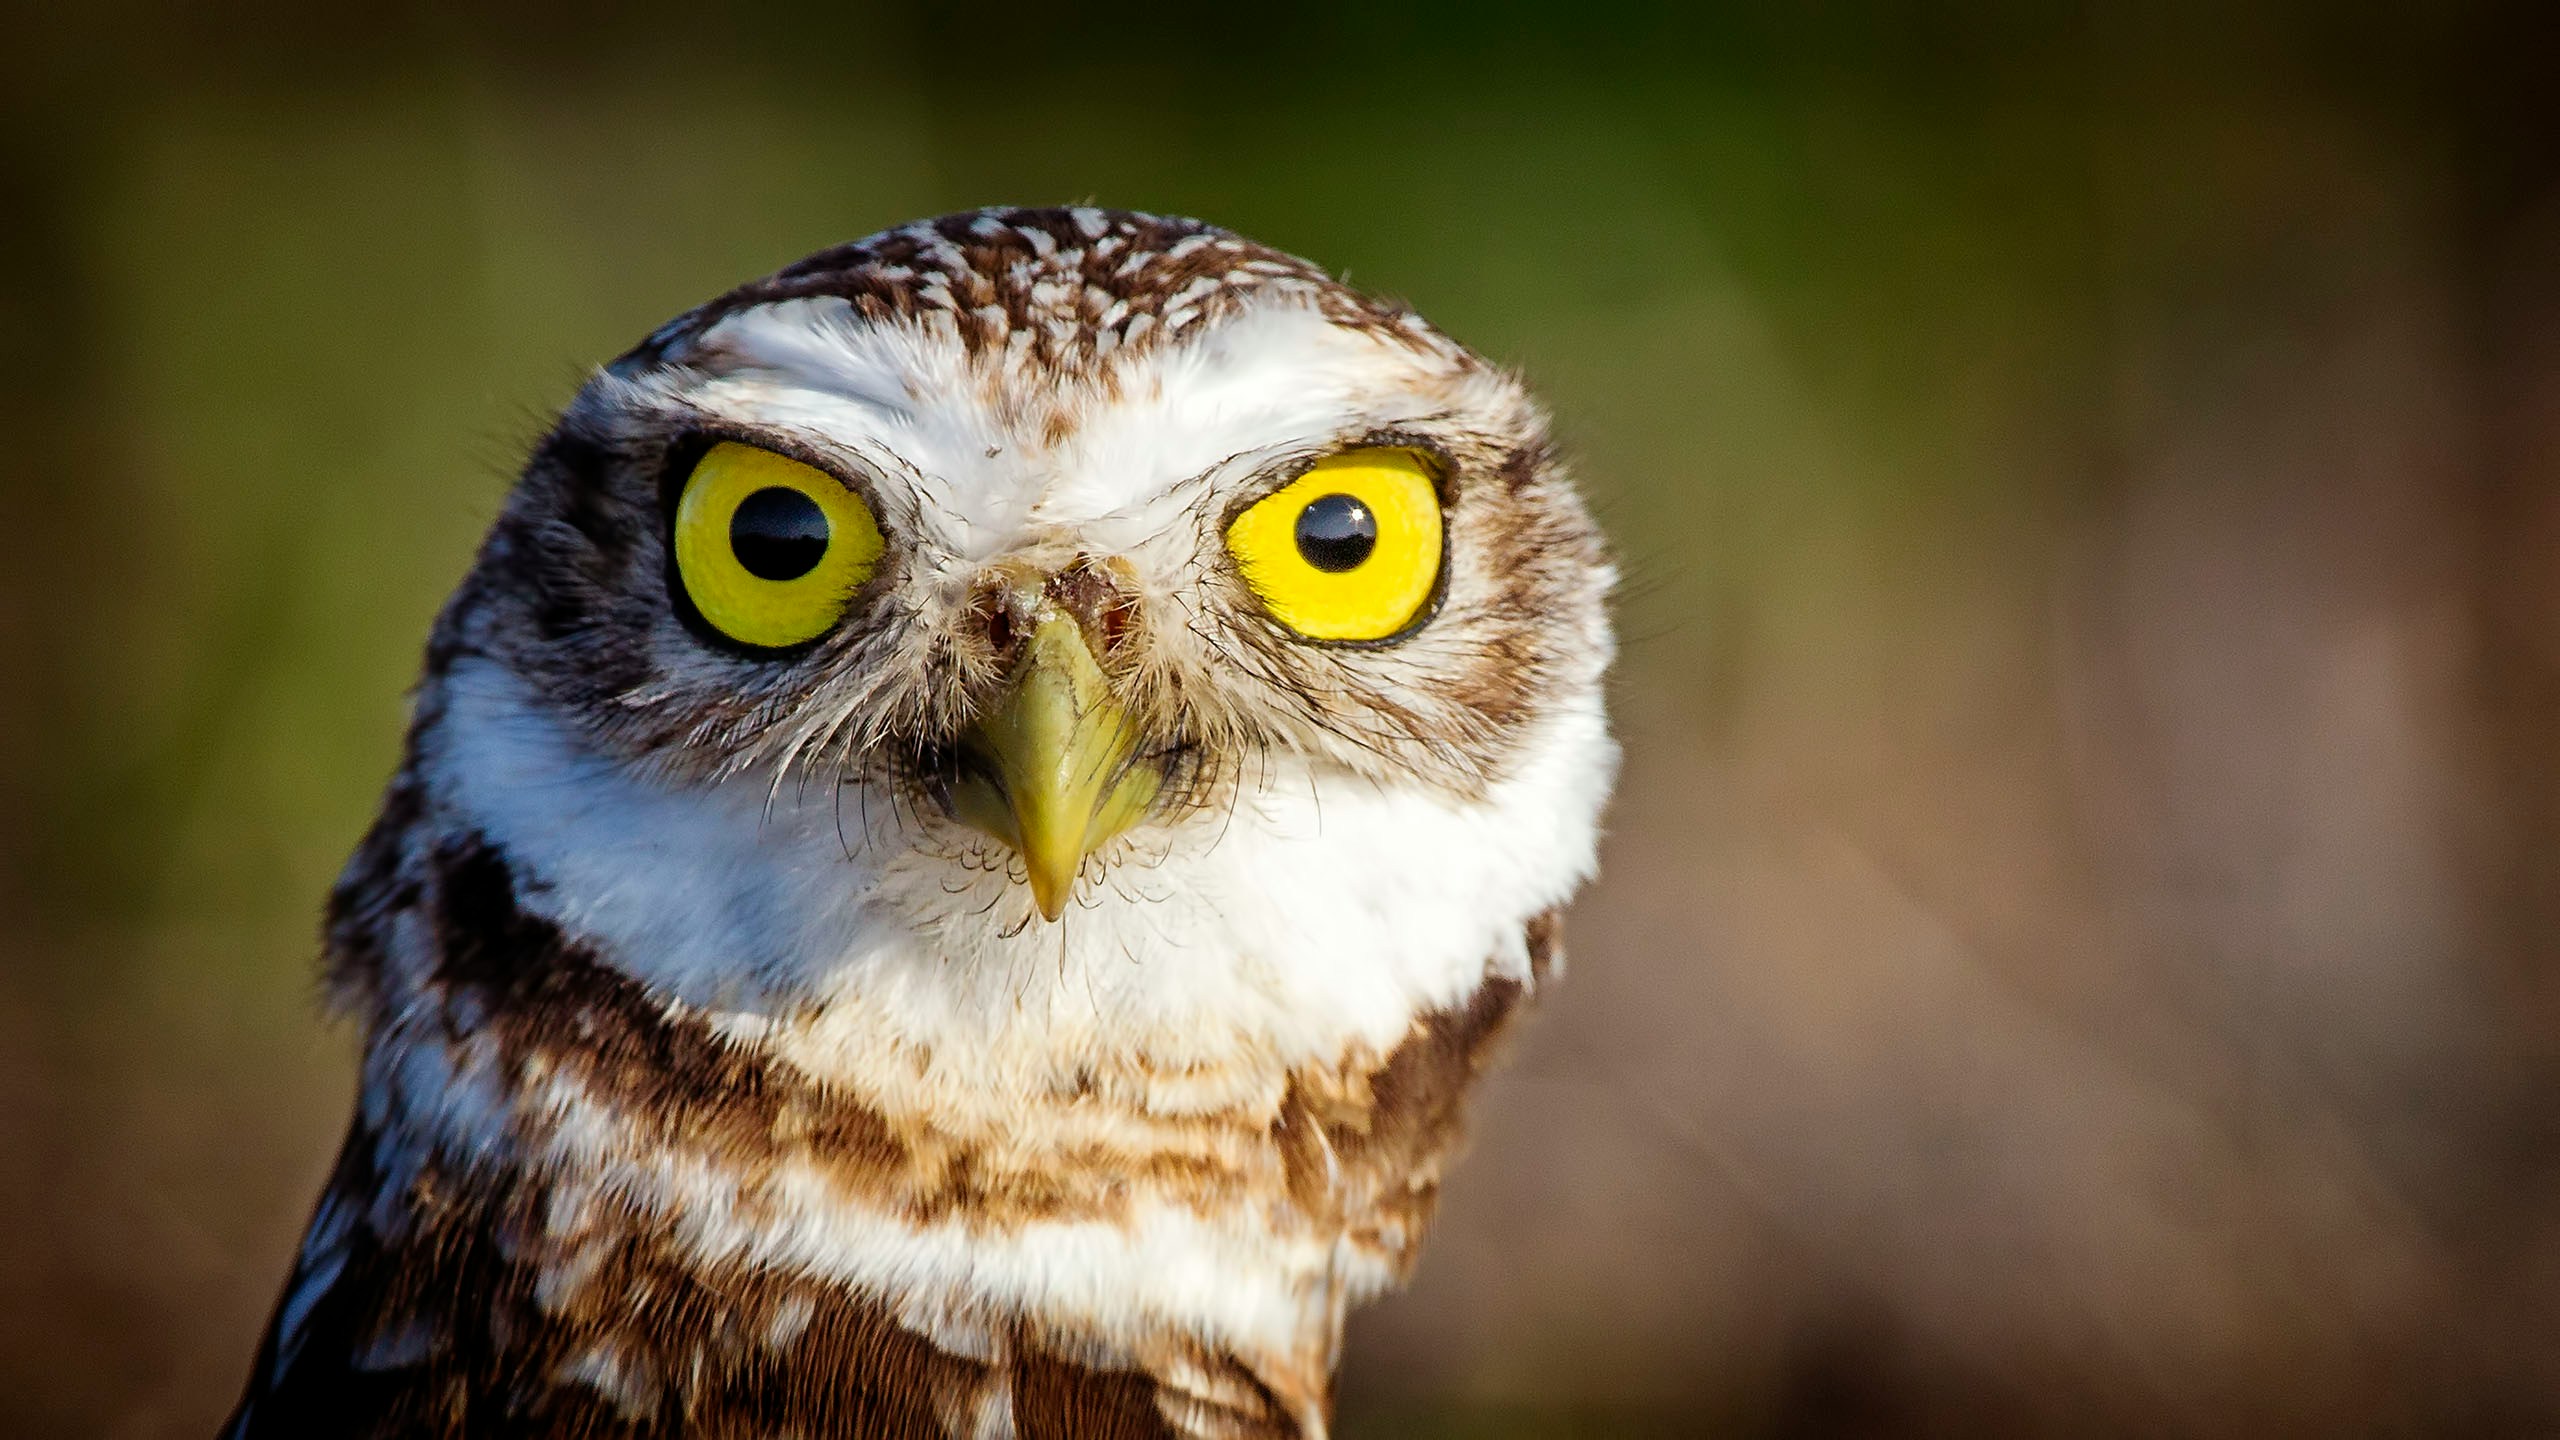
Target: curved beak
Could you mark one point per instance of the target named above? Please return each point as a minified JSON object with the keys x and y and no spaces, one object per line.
{"x":1052,"y":768}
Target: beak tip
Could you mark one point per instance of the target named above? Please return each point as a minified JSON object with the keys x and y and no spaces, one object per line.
{"x":1050,"y":891}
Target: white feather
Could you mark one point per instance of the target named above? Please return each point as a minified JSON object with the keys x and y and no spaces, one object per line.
{"x":1225,"y":1279}
{"x":1322,"y":914}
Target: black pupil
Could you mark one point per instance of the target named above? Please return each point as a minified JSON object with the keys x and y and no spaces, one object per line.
{"x":778,"y":534}
{"x":1336,"y":533}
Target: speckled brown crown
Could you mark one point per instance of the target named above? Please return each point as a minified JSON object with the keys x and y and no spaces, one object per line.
{"x":1068,"y":286}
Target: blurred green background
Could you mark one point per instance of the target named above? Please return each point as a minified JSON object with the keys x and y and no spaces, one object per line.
{"x":2080,"y":948}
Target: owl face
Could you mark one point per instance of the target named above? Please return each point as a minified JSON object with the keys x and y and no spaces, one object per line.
{"x":1035,"y":600}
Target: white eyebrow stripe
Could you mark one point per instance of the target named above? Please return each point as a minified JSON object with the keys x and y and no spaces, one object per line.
{"x":974,"y":440}
{"x":818,"y":343}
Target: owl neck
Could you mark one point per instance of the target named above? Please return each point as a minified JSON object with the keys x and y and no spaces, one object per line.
{"x":569,"y":1200}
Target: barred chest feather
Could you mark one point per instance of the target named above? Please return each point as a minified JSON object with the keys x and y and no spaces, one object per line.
{"x":642,"y":1226}
{"x":576,"y":1202}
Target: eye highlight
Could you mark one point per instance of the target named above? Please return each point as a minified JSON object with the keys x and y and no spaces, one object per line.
{"x":1350,"y":550}
{"x":770,"y":550}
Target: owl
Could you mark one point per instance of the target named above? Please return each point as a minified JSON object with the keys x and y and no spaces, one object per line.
{"x":980,"y":810}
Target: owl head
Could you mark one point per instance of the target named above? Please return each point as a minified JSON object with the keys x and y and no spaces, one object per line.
{"x":1037,"y":638}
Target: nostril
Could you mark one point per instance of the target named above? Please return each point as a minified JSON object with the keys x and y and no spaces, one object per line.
{"x":991,"y":606}
{"x":1115,"y":620}
{"x":1097,"y":593}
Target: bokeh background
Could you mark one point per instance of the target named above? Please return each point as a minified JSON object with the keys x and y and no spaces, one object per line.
{"x":2080,"y":945}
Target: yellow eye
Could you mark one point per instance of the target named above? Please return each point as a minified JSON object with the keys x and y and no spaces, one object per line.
{"x":769,"y":549}
{"x":1348,"y":551}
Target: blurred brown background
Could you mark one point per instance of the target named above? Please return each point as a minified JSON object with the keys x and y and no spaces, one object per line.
{"x":2080,"y":948}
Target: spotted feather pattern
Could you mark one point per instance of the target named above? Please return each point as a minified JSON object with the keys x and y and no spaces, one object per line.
{"x":1063,"y":289}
